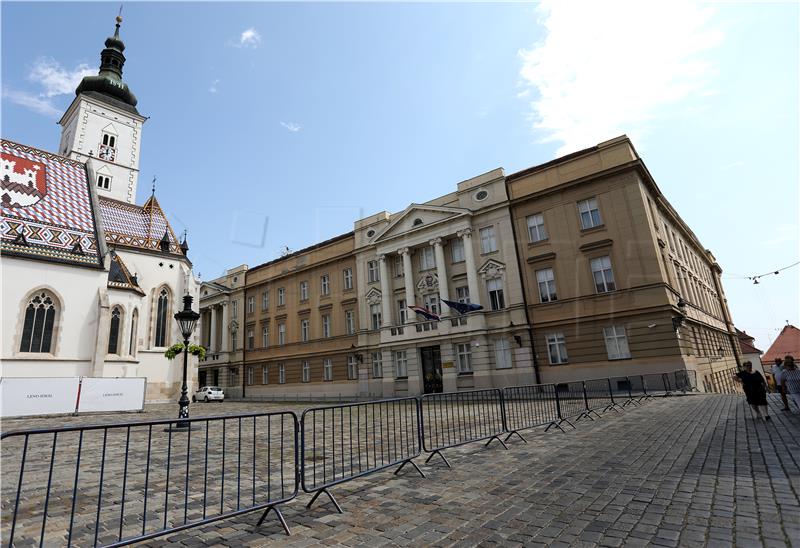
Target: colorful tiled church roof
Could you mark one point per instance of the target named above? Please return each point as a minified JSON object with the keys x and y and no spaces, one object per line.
{"x":141,"y":227}
{"x":46,"y":207}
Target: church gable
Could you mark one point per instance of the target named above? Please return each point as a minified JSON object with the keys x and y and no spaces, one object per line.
{"x":46,"y":207}
{"x":417,"y":217}
{"x":143,"y":227}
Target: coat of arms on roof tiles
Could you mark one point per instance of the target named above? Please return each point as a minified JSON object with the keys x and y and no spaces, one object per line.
{"x":23,"y":182}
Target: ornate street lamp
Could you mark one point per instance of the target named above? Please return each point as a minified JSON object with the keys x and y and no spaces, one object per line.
{"x":187,"y":320}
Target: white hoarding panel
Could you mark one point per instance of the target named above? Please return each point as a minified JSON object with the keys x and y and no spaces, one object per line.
{"x":111,"y":395}
{"x":37,"y":396}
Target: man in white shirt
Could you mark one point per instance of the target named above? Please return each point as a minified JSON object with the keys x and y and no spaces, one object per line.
{"x":777,"y":374}
{"x":790,"y":377}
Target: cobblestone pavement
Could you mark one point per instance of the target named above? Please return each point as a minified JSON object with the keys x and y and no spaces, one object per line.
{"x":695,"y":470}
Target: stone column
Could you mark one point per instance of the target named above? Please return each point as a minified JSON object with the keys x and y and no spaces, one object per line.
{"x":225,"y":337}
{"x":408,"y":274}
{"x":472,"y":270}
{"x":441,"y":272}
{"x":386,"y":292}
{"x":212,"y":335}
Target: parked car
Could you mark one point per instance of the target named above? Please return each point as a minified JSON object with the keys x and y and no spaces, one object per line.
{"x":209,"y":393}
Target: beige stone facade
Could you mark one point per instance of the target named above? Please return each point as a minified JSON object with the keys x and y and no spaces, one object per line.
{"x":606,"y":263}
{"x":300,"y":322}
{"x":220,"y":327}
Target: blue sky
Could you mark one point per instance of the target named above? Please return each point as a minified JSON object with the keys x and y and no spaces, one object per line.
{"x":280,"y":124}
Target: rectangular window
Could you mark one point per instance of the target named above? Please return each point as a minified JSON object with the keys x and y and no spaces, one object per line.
{"x":457,"y":250}
{"x":373,"y":272}
{"x":462,"y":294}
{"x":401,"y":311}
{"x":590,"y":214}
{"x":327,"y":369}
{"x":432,"y":302}
{"x":616,"y":342}
{"x":349,"y":322}
{"x":377,"y":365}
{"x":325,"y":285}
{"x":304,"y":330}
{"x":347,"y":276}
{"x":233,"y":376}
{"x":557,"y":348}
{"x":496,"y":300}
{"x":352,"y":368}
{"x":488,"y":240}
{"x":281,"y":296}
{"x":235,"y":308}
{"x":306,"y":372}
{"x":464,"y":357}
{"x":249,"y":375}
{"x":536,"y":230}
{"x":265,"y":337}
{"x":326,"y":325}
{"x":303,"y":291}
{"x":375,"y":313}
{"x":234,"y":340}
{"x":502,"y":354}
{"x":281,"y":334}
{"x":547,"y":285}
{"x":265,"y":299}
{"x":264,"y":374}
{"x":281,"y":373}
{"x":400,"y":364}
{"x":427,"y":258}
{"x":603,"y":276}
{"x":399,"y":271}
{"x":251,"y":340}
{"x":251,"y":304}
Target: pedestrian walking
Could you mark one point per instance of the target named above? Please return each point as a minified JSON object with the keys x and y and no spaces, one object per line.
{"x":755,"y":390}
{"x":791,"y":380}
{"x":777,"y":374}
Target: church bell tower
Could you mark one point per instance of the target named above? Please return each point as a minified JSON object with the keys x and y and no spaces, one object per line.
{"x":103,"y":127}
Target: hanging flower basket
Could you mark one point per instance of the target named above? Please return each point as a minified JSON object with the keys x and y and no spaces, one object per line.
{"x":177,"y":348}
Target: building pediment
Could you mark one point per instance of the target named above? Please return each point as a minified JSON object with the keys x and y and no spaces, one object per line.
{"x":428,"y":283}
{"x":492,"y":269}
{"x":419,"y":217}
{"x":373,"y":296}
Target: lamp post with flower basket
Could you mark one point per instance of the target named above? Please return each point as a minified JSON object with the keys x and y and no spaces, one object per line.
{"x":187,"y":320}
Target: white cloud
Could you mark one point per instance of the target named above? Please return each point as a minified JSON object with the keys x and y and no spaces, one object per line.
{"x":291,"y":126}
{"x":31,"y":101}
{"x":213,"y":87}
{"x":607,"y":68}
{"x":250,"y":38}
{"x":54,"y":80}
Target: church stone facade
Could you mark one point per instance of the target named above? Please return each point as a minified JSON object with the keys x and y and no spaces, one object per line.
{"x":90,"y":279}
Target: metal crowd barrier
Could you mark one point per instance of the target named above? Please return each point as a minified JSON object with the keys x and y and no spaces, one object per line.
{"x":599,"y":396}
{"x":572,"y":402}
{"x":116,"y":484}
{"x":344,"y":442}
{"x":451,"y":419}
{"x":530,"y":406}
{"x":656,"y":384}
{"x":622,"y":391}
{"x":638,"y":390}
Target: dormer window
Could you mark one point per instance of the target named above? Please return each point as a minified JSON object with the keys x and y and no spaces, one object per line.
{"x":108,"y":150}
{"x":104,"y":182}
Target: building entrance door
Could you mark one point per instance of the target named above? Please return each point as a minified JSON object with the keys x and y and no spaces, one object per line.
{"x":201,"y":378}
{"x":431,"y":369}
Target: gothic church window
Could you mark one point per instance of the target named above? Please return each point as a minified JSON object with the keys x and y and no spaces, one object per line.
{"x":40,"y":319}
{"x":113,"y":334}
{"x":161,"y":318}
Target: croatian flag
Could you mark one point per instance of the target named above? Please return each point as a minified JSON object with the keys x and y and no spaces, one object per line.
{"x":462,"y":308}
{"x":427,"y":314}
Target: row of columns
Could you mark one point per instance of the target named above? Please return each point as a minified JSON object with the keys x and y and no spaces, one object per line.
{"x":441,"y":273}
{"x":217,"y":334}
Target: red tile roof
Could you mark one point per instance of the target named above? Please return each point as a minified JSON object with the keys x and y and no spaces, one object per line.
{"x":45,"y":207}
{"x":787,"y":343}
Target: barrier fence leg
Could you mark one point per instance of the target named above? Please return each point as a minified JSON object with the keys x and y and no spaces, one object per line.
{"x":569,"y":423}
{"x":557,"y":425}
{"x":495,"y":438}
{"x":438,"y":452}
{"x":508,"y":437}
{"x":414,"y":464}
{"x":280,"y":517}
{"x":330,"y":496}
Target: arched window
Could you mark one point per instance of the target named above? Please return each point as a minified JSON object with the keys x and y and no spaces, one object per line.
{"x":161,"y":318}
{"x":40,"y":319}
{"x":134,"y":327}
{"x":113,"y":334}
